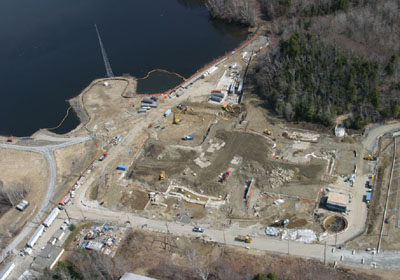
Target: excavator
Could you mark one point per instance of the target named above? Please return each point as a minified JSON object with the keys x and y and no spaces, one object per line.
{"x":162,"y":176}
{"x":268,"y":132}
{"x":231,"y":108}
{"x":182,"y":109}
{"x":369,"y":157}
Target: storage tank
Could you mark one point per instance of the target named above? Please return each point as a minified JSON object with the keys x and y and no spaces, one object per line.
{"x":50,"y":218}
{"x":147,"y":100}
{"x":219,"y":94}
{"x":216,"y":99}
{"x":39,"y":231}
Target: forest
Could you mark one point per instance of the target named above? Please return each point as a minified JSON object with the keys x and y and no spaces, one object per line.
{"x":332,"y":57}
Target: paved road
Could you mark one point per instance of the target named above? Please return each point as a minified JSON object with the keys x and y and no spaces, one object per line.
{"x":48,"y":152}
{"x":83,"y":209}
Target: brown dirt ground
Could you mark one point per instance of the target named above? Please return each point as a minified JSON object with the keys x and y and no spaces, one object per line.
{"x":71,"y":161}
{"x":164,"y":257}
{"x":22,"y":167}
{"x":103,"y":104}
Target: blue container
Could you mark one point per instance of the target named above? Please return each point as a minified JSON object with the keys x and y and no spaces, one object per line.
{"x":122,"y":167}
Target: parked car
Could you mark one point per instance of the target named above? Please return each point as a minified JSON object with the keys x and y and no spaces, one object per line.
{"x":188,"y":137}
{"x":198,"y":229}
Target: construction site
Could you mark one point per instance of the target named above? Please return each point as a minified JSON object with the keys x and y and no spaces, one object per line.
{"x":207,"y":154}
{"x":199,"y":156}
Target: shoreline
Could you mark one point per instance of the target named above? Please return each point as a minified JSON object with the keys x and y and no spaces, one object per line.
{"x":78,"y":106}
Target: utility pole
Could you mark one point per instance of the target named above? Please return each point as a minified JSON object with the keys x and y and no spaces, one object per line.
{"x":325,"y":253}
{"x":288,"y":242}
{"x":335,"y":239}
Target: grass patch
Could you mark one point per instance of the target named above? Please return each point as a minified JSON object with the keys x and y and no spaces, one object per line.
{"x":94,"y":192}
{"x":75,"y":232}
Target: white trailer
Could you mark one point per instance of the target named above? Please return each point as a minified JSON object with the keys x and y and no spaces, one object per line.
{"x":51,"y":217}
{"x":7,"y":270}
{"x":32,"y":241}
{"x":22,"y":205}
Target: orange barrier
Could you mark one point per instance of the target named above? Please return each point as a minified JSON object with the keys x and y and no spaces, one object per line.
{"x":161,"y":70}
{"x":245,"y":44}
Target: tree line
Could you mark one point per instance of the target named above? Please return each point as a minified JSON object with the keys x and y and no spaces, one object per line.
{"x":304,"y":79}
{"x":238,"y":11}
{"x":334,"y":57}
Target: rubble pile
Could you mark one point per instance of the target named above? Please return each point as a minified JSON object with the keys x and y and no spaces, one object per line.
{"x":279,"y":176}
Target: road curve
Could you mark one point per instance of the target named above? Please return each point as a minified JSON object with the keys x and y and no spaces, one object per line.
{"x":48,"y":152}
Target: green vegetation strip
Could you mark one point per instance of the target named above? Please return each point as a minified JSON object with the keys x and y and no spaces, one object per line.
{"x":75,"y":232}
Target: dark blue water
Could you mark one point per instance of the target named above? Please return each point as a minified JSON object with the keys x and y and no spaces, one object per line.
{"x":49,"y":50}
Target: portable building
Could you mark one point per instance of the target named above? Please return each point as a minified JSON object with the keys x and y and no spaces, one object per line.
{"x":215,"y":98}
{"x":368,"y":196}
{"x":34,"y":238}
{"x":51,"y":217}
{"x":142,"y":110}
{"x":219,"y":94}
{"x":7,"y":270}
{"x":337,"y":202}
{"x":65,"y":200}
{"x":167,"y":113}
{"x":122,"y":167}
{"x":153,"y":105}
{"x":147,"y":100}
{"x":22,"y":205}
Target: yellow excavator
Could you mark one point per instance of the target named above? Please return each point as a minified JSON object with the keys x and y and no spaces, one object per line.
{"x":182,"y":109}
{"x":369,"y":157}
{"x":231,"y":108}
{"x":162,"y":175}
{"x":268,"y":132}
{"x":177,"y":119}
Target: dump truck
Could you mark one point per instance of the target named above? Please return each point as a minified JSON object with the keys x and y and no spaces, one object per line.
{"x":243,"y":238}
{"x":369,"y":157}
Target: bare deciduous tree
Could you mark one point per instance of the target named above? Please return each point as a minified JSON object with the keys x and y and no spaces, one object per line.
{"x":241,"y":11}
{"x":13,"y":193}
{"x":201,"y":268}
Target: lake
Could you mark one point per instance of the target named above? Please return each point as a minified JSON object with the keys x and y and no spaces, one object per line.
{"x":49,"y":51}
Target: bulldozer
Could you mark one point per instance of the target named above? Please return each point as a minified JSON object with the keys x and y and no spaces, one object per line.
{"x":162,"y":175}
{"x":244,"y":238}
{"x":267,"y":132}
{"x":369,"y":157}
